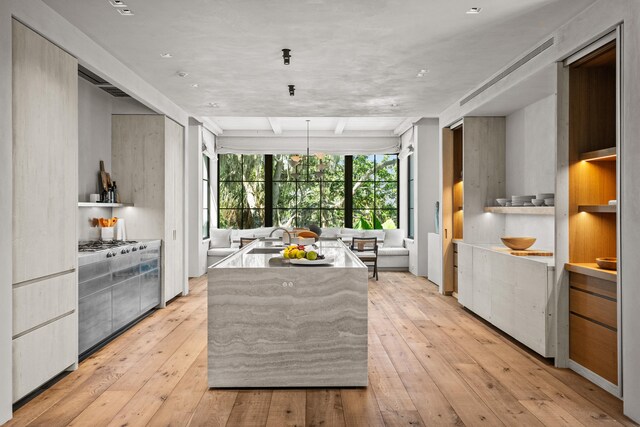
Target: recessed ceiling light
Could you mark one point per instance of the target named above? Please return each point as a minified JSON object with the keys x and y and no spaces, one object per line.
{"x":422,"y":72}
{"x":213,"y":105}
{"x":195,"y":85}
{"x":125,"y":12}
{"x":474,"y":11}
{"x":166,"y":55}
{"x":182,"y":74}
{"x":394,"y":105}
{"x":117,"y":3}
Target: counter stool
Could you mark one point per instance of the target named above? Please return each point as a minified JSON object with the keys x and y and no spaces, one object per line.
{"x":366,"y":248}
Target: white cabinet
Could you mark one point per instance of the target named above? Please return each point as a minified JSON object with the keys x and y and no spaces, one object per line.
{"x":434,"y":265}
{"x":45,"y":180}
{"x":513,"y":293}
{"x":45,"y":156}
{"x":148,"y":164}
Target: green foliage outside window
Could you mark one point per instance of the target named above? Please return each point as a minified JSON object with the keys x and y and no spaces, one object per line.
{"x":302,"y":195}
{"x":375,"y":191}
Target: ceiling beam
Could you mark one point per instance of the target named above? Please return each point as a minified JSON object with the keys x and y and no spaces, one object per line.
{"x":211,"y":125}
{"x":275,"y":125}
{"x":405,"y":125}
{"x":342,"y":123}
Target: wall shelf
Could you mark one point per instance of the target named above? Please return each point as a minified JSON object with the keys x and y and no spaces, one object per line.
{"x":598,"y":208}
{"x":606,"y":154}
{"x":592,"y":269}
{"x":103,"y":205}
{"x":525,"y":210}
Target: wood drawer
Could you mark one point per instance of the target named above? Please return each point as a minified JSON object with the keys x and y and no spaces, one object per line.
{"x":594,"y":285}
{"x":40,"y":355}
{"x":38,"y":302}
{"x":594,"y":346}
{"x":602,"y":310}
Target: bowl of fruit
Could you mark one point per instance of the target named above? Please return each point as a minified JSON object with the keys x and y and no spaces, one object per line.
{"x":305,"y":255}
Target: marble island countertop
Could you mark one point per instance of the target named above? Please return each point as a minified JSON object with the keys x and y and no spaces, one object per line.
{"x":500,"y":248}
{"x":266,"y":254}
{"x":287,"y":327}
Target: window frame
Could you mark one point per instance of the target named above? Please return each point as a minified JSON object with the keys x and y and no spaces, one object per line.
{"x":307,"y":180}
{"x":241,"y":181}
{"x":348,"y":181}
{"x":410,"y":198}
{"x":206,"y":180}
{"x":375,"y":183}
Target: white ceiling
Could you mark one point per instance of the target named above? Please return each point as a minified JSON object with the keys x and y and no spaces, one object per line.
{"x":349,"y":57}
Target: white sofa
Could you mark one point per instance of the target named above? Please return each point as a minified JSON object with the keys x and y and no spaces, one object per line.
{"x":392,"y":254}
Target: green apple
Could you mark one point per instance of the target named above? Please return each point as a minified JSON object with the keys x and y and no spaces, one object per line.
{"x":312,"y":255}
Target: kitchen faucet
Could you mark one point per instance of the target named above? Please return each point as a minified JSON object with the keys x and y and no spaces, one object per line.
{"x":283,"y":229}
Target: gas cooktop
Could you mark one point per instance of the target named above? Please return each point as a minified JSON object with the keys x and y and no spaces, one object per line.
{"x":100,"y":245}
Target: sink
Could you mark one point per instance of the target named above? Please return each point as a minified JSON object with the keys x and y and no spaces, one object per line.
{"x":266,"y":250}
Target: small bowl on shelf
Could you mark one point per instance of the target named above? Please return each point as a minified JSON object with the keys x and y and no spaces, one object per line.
{"x":607,"y":263}
{"x":518,"y":243}
{"x":503,"y":202}
{"x":537,"y":202}
{"x":550,"y":202}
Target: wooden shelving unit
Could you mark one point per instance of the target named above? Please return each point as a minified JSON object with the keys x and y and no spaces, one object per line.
{"x":603,"y":155}
{"x":592,"y":269}
{"x":528,"y":210}
{"x":598,"y":208}
{"x":593,"y":298}
{"x":103,"y":205}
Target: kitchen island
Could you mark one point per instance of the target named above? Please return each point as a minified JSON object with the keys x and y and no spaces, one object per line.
{"x":274,"y":324}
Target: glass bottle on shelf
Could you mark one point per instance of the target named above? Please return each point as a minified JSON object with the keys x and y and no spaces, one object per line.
{"x":116,"y":194}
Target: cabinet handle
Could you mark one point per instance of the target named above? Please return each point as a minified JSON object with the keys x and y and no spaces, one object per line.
{"x":445,"y":233}
{"x":174,"y":234}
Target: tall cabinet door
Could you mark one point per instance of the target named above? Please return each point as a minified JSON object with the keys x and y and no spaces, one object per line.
{"x":45,"y":156}
{"x":174,"y":260}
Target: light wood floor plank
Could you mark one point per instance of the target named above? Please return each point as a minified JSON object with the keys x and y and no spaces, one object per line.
{"x":287,"y":408}
{"x":324,"y":408}
{"x":214,"y":408}
{"x":181,"y":403}
{"x":430,"y":363}
{"x":360,"y":408}
{"x":250,"y":409}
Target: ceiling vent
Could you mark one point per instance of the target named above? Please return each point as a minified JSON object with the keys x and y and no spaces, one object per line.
{"x":519,"y":63}
{"x":101,"y":83}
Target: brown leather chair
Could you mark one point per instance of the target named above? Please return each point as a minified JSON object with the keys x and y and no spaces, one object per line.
{"x":366,"y":248}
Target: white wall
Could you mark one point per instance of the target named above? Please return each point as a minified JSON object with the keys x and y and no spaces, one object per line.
{"x":531,"y":148}
{"x":531,"y":166}
{"x":95,"y":108}
{"x":94,"y":137}
{"x":200,"y":136}
{"x":44,"y":20}
{"x":424,"y":137}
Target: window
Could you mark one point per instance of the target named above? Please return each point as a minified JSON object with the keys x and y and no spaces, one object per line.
{"x":241,"y":191}
{"x":335,"y":191}
{"x":310,"y":193}
{"x":375,"y":191}
{"x":206,"y":197}
{"x":410,"y":197}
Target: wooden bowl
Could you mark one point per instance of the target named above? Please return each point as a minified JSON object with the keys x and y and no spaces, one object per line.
{"x":518,"y":243}
{"x":607,"y":263}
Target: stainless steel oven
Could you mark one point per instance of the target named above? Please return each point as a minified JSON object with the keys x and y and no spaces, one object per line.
{"x":119,"y":282}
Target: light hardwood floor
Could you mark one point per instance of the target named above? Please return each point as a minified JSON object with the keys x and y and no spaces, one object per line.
{"x":430,"y":363}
